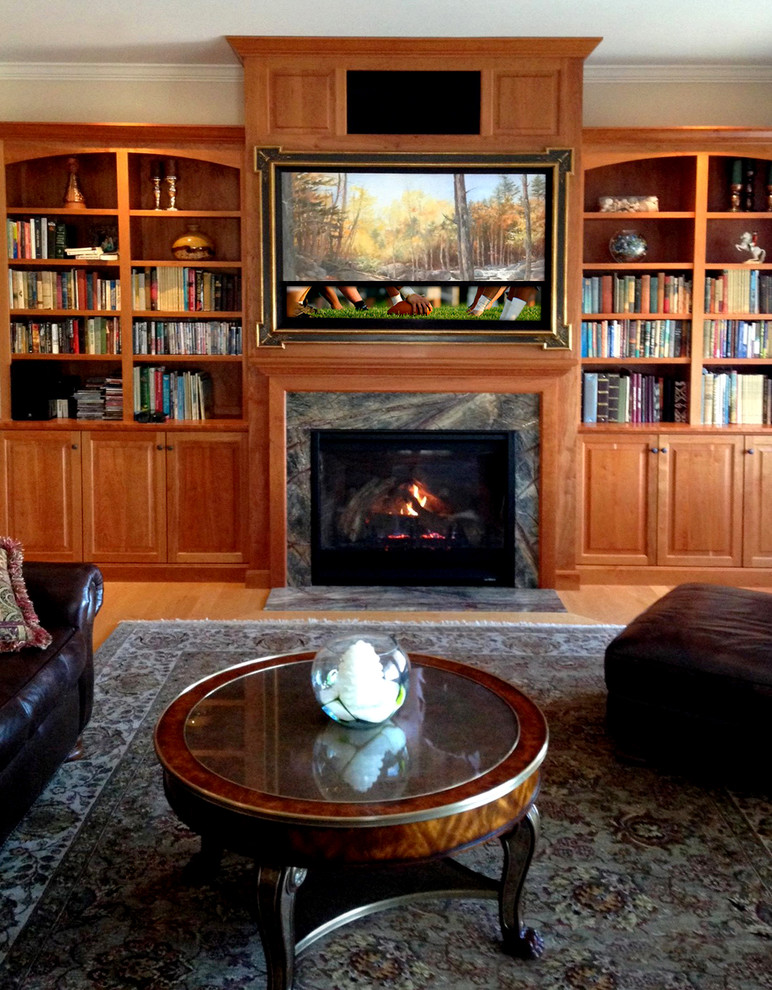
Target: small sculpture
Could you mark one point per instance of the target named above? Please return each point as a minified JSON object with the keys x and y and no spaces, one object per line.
{"x":749,"y":243}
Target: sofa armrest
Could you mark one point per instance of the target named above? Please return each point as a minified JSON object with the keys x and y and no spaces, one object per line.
{"x":64,"y":594}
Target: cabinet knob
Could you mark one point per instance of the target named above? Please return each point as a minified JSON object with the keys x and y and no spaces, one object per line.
{"x":159,"y":446}
{"x":664,"y":450}
{"x":751,"y":450}
{"x":655,"y":450}
{"x":74,"y":446}
{"x":170,"y":447}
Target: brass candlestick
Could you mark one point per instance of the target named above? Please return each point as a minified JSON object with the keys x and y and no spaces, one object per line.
{"x":769,"y":198}
{"x":155,"y":177}
{"x":157,"y":191}
{"x":171,"y":182}
{"x":736,"y":186}
{"x":750,"y":172}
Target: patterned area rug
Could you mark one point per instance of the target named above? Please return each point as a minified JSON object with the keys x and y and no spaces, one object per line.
{"x":642,"y":880}
{"x":362,"y":599}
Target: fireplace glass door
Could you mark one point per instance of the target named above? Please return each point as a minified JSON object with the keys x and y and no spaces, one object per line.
{"x":419,"y":507}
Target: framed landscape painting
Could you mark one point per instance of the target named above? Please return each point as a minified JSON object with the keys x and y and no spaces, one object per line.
{"x":413,"y":247}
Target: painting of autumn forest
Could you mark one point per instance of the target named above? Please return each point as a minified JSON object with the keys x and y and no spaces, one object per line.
{"x":401,"y":226}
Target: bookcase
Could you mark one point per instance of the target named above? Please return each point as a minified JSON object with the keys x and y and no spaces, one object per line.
{"x":125,"y":357}
{"x":676,"y":363}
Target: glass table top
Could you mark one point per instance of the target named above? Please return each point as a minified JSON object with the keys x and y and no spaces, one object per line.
{"x":265,"y":731}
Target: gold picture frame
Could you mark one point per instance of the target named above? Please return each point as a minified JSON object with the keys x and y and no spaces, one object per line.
{"x":414,"y":248}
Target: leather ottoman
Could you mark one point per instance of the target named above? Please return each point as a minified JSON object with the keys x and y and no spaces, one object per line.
{"x":690,"y":681}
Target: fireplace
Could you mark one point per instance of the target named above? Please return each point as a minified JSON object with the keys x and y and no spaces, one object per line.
{"x":310,"y":410}
{"x":412,"y":507}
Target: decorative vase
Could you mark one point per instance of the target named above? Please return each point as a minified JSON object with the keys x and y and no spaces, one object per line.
{"x":361,"y":681}
{"x":73,"y":197}
{"x":193,"y":245}
{"x":627,"y":245}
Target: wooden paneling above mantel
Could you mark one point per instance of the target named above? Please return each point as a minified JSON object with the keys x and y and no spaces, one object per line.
{"x":530,"y":89}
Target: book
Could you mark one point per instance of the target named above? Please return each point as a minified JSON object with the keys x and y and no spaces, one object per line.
{"x":623,"y":410}
{"x":590,"y":397}
{"x":613,"y":397}
{"x":602,"y":401}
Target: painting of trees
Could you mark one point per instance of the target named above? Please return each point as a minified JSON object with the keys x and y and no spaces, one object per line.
{"x":415,"y":226}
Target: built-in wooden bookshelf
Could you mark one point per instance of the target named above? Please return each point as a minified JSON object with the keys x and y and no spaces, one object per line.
{"x":77,"y":321}
{"x":687,"y":325}
{"x":106,"y":351}
{"x":675,"y":474}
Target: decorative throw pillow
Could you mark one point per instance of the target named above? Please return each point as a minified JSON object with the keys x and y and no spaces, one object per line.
{"x":19,"y":625}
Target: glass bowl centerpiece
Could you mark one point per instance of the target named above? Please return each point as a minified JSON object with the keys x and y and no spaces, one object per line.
{"x":361,"y":680}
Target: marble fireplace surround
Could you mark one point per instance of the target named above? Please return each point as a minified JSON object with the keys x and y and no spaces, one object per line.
{"x":415,"y":411}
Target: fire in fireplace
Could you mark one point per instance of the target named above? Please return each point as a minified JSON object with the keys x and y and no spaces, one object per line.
{"x":418,"y":507}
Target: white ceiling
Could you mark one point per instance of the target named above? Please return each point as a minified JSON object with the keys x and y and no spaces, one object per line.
{"x":665,"y":33}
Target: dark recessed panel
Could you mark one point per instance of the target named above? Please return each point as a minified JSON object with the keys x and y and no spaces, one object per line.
{"x":420,"y":102}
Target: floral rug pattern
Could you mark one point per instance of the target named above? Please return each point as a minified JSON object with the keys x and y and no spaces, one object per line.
{"x":642,"y":880}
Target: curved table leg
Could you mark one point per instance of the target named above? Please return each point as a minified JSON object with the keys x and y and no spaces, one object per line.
{"x":276,"y":889}
{"x":519,"y":845}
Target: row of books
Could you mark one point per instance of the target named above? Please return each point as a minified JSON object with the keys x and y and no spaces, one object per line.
{"x":187,"y":337}
{"x":635,"y":339}
{"x":729,"y":397}
{"x":99,"y":398}
{"x":76,"y":335}
{"x":37,"y":237}
{"x":190,"y":289}
{"x":74,"y":288}
{"x":172,"y":394}
{"x":739,"y":290}
{"x":736,"y":338}
{"x":647,"y":293}
{"x":621,"y":397}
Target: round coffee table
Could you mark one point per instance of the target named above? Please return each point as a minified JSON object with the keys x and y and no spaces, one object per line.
{"x":343,"y":822}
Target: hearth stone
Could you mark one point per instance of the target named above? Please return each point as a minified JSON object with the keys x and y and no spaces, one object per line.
{"x":416,"y":411}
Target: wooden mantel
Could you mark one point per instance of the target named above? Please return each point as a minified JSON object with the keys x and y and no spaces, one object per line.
{"x":530,"y":101}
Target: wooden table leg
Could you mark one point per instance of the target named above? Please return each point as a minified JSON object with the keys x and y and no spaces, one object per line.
{"x":519,"y":846}
{"x":276,"y":889}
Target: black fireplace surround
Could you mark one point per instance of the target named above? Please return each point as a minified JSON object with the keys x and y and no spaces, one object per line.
{"x":412,"y":507}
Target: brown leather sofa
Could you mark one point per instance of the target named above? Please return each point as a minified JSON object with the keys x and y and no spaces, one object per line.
{"x":690,"y":682}
{"x":46,"y":695}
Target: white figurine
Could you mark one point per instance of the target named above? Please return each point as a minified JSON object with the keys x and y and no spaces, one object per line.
{"x":748,"y":243}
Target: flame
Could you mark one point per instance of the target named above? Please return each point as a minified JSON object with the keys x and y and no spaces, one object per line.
{"x":420,"y":496}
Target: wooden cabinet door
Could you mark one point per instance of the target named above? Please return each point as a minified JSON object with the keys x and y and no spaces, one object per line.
{"x":40,"y":488}
{"x":124,"y":504}
{"x":207,"y":492}
{"x":617,"y":503}
{"x":700,"y":502}
{"x":757,"y":537}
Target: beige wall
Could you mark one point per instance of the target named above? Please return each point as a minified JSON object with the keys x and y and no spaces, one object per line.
{"x":677,"y":104}
{"x":218,"y":99}
{"x":214,"y":95}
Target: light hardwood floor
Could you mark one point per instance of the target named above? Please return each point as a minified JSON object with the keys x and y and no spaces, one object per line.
{"x":191,"y":600}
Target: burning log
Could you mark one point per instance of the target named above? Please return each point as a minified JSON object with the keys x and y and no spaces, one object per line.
{"x":389,"y":508}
